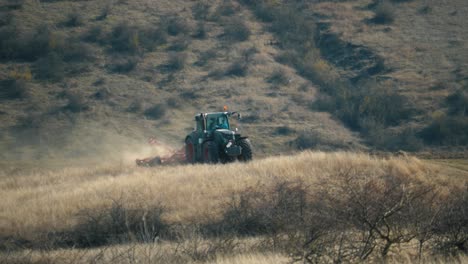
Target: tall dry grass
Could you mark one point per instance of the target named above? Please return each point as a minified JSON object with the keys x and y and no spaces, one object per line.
{"x":41,"y":201}
{"x":299,"y":206}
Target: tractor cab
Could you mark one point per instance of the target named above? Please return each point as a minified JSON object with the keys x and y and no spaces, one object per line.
{"x":212,"y":121}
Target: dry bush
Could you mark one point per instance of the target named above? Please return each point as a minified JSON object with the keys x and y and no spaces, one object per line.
{"x":177,"y":61}
{"x":52,"y":67}
{"x":457,"y":103}
{"x":284,"y":130}
{"x":125,"y":38}
{"x":235,"y":29}
{"x":451,"y":226}
{"x":238,"y":68}
{"x":94,"y":34}
{"x":446,"y":130}
{"x":117,"y":224}
{"x":13,"y":89}
{"x":206,"y":56}
{"x":226,"y":8}
{"x":180,"y":44}
{"x":201,"y":10}
{"x":314,"y":139}
{"x":74,"y":19}
{"x":279,"y":77}
{"x":175,"y":25}
{"x":384,"y":13}
{"x":156,"y":112}
{"x":200,"y":31}
{"x":76,"y":102}
{"x":123,"y":64}
{"x":390,"y":139}
{"x":151,"y":37}
{"x":104,"y":12}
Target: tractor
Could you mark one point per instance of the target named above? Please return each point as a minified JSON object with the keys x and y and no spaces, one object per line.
{"x":213,"y":141}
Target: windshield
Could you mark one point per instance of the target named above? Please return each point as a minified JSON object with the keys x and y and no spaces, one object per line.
{"x":217,"y":122}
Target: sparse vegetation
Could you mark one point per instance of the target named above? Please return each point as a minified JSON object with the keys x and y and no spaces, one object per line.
{"x":238,"y":68}
{"x":278,"y":78}
{"x":156,"y":112}
{"x":177,"y":61}
{"x":74,"y":19}
{"x":76,"y":102}
{"x":13,"y":89}
{"x":123,"y":64}
{"x":201,"y":10}
{"x":236,"y":30}
{"x":175,"y":25}
{"x":384,"y":13}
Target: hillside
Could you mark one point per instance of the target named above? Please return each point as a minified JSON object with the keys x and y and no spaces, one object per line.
{"x":88,"y":78}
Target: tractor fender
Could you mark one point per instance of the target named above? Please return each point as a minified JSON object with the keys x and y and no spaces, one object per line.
{"x":241,"y":138}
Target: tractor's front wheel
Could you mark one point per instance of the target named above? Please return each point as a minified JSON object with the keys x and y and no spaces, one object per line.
{"x":246,"y":153}
{"x":210,"y":152}
{"x":189,"y":151}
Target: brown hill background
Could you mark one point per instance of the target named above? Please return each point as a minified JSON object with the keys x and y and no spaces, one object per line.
{"x":81,"y":78}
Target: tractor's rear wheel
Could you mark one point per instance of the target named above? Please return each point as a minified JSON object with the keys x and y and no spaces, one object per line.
{"x":210,"y":152}
{"x":189,"y":151}
{"x":246,"y":153}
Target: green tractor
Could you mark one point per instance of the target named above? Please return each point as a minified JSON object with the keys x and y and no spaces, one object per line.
{"x":213,"y":141}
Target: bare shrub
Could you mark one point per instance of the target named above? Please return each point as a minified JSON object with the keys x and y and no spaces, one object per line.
{"x":51,"y":67}
{"x":124,"y":38}
{"x":206,"y":56}
{"x":135,"y":106}
{"x":200,"y":31}
{"x":74,"y":19}
{"x":156,"y":112}
{"x":76,"y":51}
{"x":118,"y":224}
{"x":180,"y":44}
{"x":177,"y":61}
{"x":450,"y":130}
{"x":201,"y":10}
{"x":104,"y":13}
{"x":32,"y":46}
{"x":76,"y":102}
{"x":457,"y":103}
{"x":175,"y":25}
{"x":152,"y":37}
{"x":452,"y":225}
{"x":123,"y":64}
{"x":382,"y":209}
{"x":94,"y":34}
{"x":14,"y":4}
{"x":238,"y":68}
{"x":235,"y":29}
{"x":13,"y":89}
{"x":314,"y":139}
{"x":384,"y":13}
{"x":226,"y":9}
{"x":284,"y":131}
{"x":278,"y":77}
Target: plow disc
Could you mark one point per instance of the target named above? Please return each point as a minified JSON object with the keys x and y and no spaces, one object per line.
{"x":175,"y":157}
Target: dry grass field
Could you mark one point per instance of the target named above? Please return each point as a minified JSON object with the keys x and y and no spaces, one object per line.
{"x":54,"y":208}
{"x":320,"y":85}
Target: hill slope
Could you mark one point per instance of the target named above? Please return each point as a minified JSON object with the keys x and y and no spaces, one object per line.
{"x":94,"y":77}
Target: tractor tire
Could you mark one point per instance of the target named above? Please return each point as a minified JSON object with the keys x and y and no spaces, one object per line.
{"x":210,"y":152}
{"x":189,"y":151}
{"x":246,"y":154}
